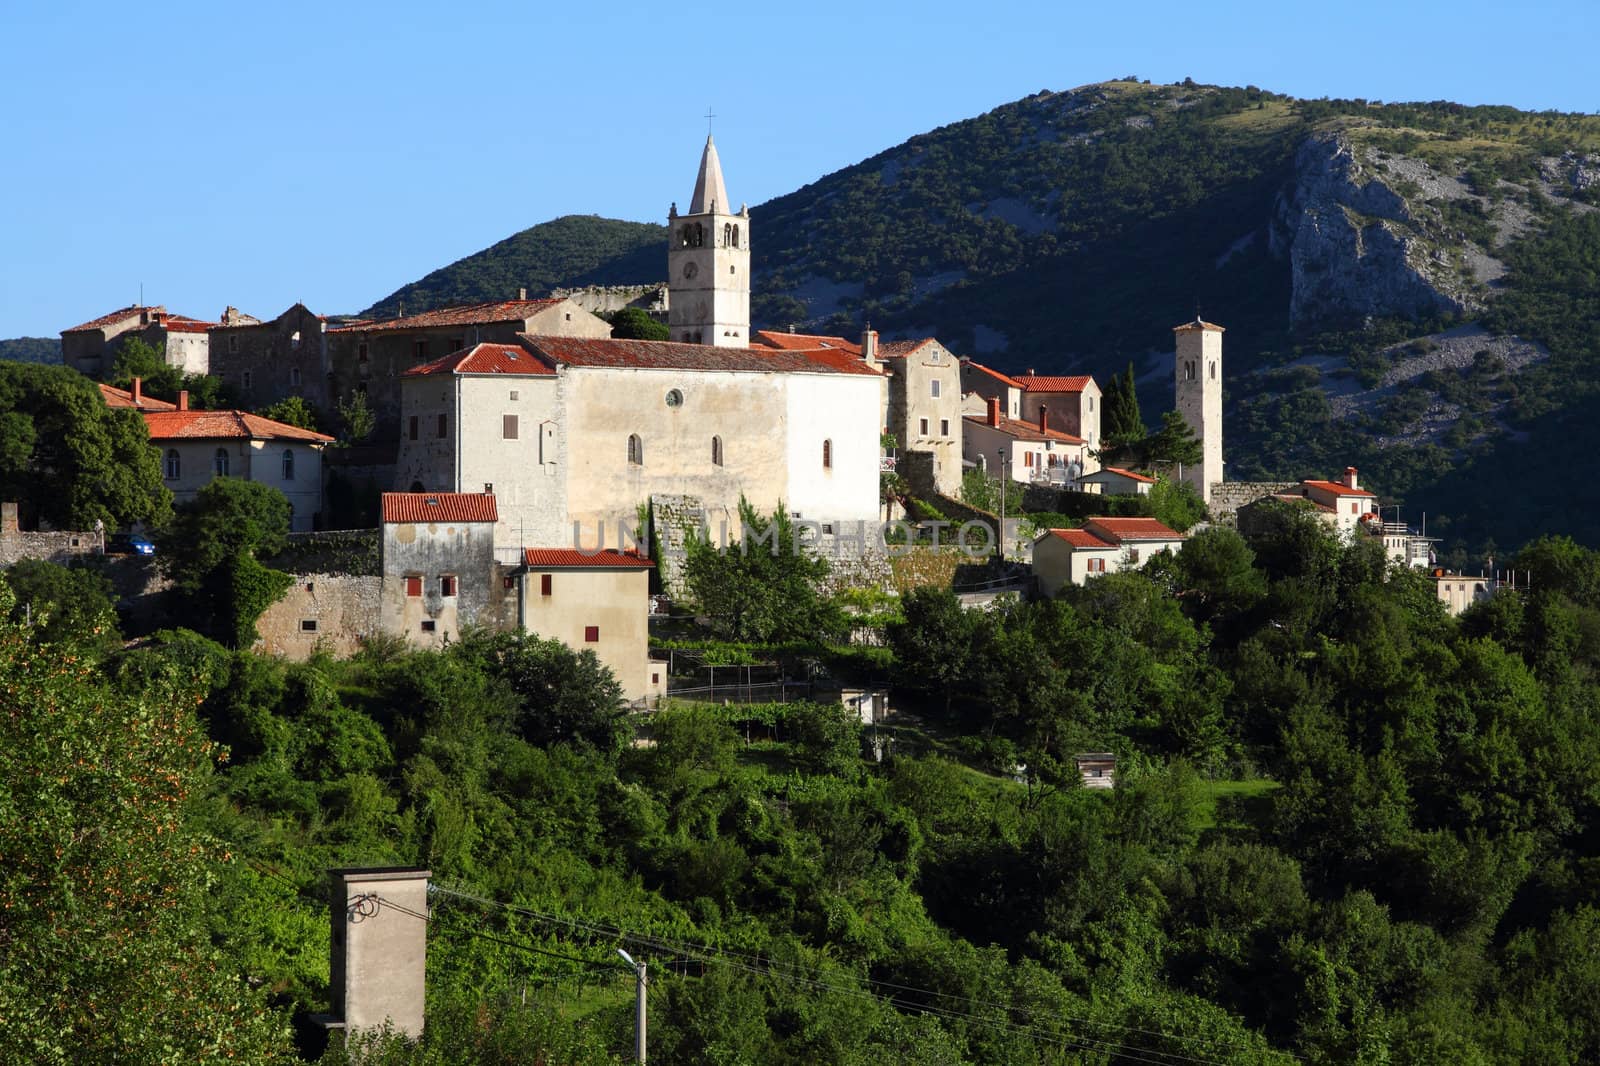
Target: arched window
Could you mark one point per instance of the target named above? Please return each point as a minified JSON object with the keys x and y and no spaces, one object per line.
{"x":1213,"y":371}
{"x":716,"y":451}
{"x":635,"y":450}
{"x":219,"y":462}
{"x":699,"y":235}
{"x":288,"y":464}
{"x":727,"y":235}
{"x":1188,"y":370}
{"x":736,"y":236}
{"x":416,"y":486}
{"x":827,"y":455}
{"x":174,"y":464}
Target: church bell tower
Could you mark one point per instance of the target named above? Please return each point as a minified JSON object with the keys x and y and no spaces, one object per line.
{"x":708,"y":264}
{"x":1199,"y":394}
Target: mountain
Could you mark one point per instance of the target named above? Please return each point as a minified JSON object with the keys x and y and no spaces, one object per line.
{"x":573,"y":250}
{"x":1409,"y":288}
{"x":31,"y":349}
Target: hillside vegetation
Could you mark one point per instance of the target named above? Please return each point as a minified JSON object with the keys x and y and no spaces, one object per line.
{"x":31,"y":350}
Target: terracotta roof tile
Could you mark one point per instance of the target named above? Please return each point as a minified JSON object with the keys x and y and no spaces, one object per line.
{"x":1334,"y":488}
{"x":484,"y":359}
{"x":1081,"y":538}
{"x":551,"y":558}
{"x":465,"y":315}
{"x":439,"y":507}
{"x":114,"y":317}
{"x":804,"y":341}
{"x":219,"y":425}
{"x":1004,"y":379}
{"x":1129,"y":474}
{"x":669,"y":355}
{"x":1013,"y":427}
{"x":1044,"y":383}
{"x":185,"y":324}
{"x":115,"y":397}
{"x":1133,"y":529}
{"x":1198,"y":324}
{"x":901,"y":349}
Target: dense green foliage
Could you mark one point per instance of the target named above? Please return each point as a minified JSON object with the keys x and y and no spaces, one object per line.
{"x":136,"y":359}
{"x":293,"y":411}
{"x":631,"y":323}
{"x":211,"y":550}
{"x":573,"y":250}
{"x":31,"y":349}
{"x":68,"y":459}
{"x":64,"y":604}
{"x":1347,"y":828}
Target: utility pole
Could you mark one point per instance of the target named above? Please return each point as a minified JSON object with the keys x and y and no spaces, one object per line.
{"x":639,"y":1007}
{"x":1003,"y":474}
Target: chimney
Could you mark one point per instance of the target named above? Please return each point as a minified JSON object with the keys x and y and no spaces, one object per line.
{"x":1350,"y":478}
{"x":379,"y":949}
{"x":994,"y":411}
{"x":522,"y":293}
{"x":138,"y":392}
{"x":1030,"y":371}
{"x":183,"y":399}
{"x":869,"y":346}
{"x":1044,"y":419}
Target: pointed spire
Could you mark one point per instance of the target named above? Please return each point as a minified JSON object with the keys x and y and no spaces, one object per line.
{"x":709,"y":192}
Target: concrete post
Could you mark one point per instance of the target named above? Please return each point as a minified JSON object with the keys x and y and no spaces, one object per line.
{"x":378,"y":952}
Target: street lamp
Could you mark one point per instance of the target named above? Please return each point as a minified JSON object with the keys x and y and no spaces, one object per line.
{"x":1003,"y":475}
{"x":639,"y":1006}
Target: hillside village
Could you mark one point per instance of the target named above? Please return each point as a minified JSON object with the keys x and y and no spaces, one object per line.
{"x":517,"y":446}
{"x":868,"y":700}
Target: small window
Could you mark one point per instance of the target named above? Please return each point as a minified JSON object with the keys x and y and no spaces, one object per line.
{"x":674,"y":398}
{"x":935,"y":385}
{"x":174,"y":464}
{"x":294,"y":341}
{"x":361,"y":352}
{"x":444,"y":426}
{"x":545,"y":583}
{"x":219,"y":462}
{"x":1133,"y":555}
{"x":294,"y":377}
{"x":419,"y":349}
{"x":655,"y":677}
{"x":508,"y":583}
{"x":416,"y":486}
{"x":233,"y":344}
{"x":308,"y":625}
{"x":247,"y":381}
{"x":447,"y":585}
{"x":716,"y":451}
{"x":591,"y":634}
{"x":944,"y":427}
{"x":457,"y":343}
{"x":736,"y":235}
{"x":288,"y":464}
{"x":427,"y":625}
{"x":513,"y":394}
{"x":635,"y":450}
{"x":508,"y":427}
{"x":413,"y":586}
{"x":1091,"y":403}
{"x":413,"y":427}
{"x":827,"y":455}
{"x":1027,"y":459}
{"x":1213,"y":371}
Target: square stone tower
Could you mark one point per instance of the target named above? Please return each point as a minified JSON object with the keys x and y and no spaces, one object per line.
{"x":708,"y":264}
{"x":1198,"y":371}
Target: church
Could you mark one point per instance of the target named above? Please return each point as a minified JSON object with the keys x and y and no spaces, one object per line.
{"x":573,"y":434}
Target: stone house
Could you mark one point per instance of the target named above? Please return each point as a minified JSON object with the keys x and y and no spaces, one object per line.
{"x":439,"y":573}
{"x":91,"y":348}
{"x":1115,"y":481}
{"x":575,"y":434}
{"x":196,"y":446}
{"x":1459,"y":591}
{"x":1102,"y":546}
{"x":1032,"y":451}
{"x":265,"y":362}
{"x":924,"y":402}
{"x":370,"y":357}
{"x":981,"y":384}
{"x":1073,"y":402}
{"x":593,"y":601}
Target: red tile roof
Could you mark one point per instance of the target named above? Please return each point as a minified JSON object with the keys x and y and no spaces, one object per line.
{"x":1198,"y":323}
{"x":901,"y":349}
{"x":114,"y":317}
{"x":115,"y":397}
{"x":1013,"y":427}
{"x":439,"y":507}
{"x":1081,"y":538}
{"x":1043,"y":383}
{"x":185,"y":324}
{"x":804,"y":341}
{"x":1133,"y":529}
{"x":466,"y":315}
{"x":1117,"y":470}
{"x":484,"y":359}
{"x":218,"y":425}
{"x":1334,"y":488}
{"x":1004,"y":379}
{"x":669,"y":355}
{"x":551,"y":558}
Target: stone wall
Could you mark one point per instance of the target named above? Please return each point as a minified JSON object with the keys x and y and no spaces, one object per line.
{"x":1228,"y":496}
{"x":331,"y":612}
{"x":266,"y":362}
{"x":349,"y":552}
{"x":604,"y":299}
{"x":55,"y":546}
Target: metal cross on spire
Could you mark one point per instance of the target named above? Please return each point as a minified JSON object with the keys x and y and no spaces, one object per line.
{"x":709,"y":116}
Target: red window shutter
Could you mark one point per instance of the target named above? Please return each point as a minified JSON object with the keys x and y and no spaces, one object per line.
{"x":413,"y":586}
{"x":544,"y":584}
{"x":591,"y":634}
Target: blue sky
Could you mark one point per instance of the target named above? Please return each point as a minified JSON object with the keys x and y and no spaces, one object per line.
{"x":260,"y":154}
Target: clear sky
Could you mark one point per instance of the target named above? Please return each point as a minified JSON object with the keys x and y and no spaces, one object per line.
{"x":258,"y":154}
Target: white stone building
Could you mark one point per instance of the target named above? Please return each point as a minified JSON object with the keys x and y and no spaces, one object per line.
{"x":708,"y":263}
{"x":1197,"y":368}
{"x":1027,"y":451}
{"x":1102,"y":546}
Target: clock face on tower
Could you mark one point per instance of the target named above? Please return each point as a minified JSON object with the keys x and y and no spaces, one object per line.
{"x":690,"y":270}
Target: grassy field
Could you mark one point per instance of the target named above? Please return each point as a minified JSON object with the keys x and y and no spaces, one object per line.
{"x":1232,"y":804}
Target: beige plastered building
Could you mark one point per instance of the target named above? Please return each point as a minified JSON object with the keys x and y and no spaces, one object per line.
{"x":597,"y":602}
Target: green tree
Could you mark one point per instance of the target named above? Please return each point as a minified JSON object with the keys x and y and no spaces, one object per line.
{"x":211,"y":553}
{"x":1174,"y":442}
{"x":356,"y":418}
{"x":764,"y":588}
{"x":292,"y":410}
{"x":1124,"y":423}
{"x":106,"y":885}
{"x":148,"y":363}
{"x":564,"y":696}
{"x":632,"y":323}
{"x":67,"y":605}
{"x":1176,"y":504}
{"x":70,"y":460}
